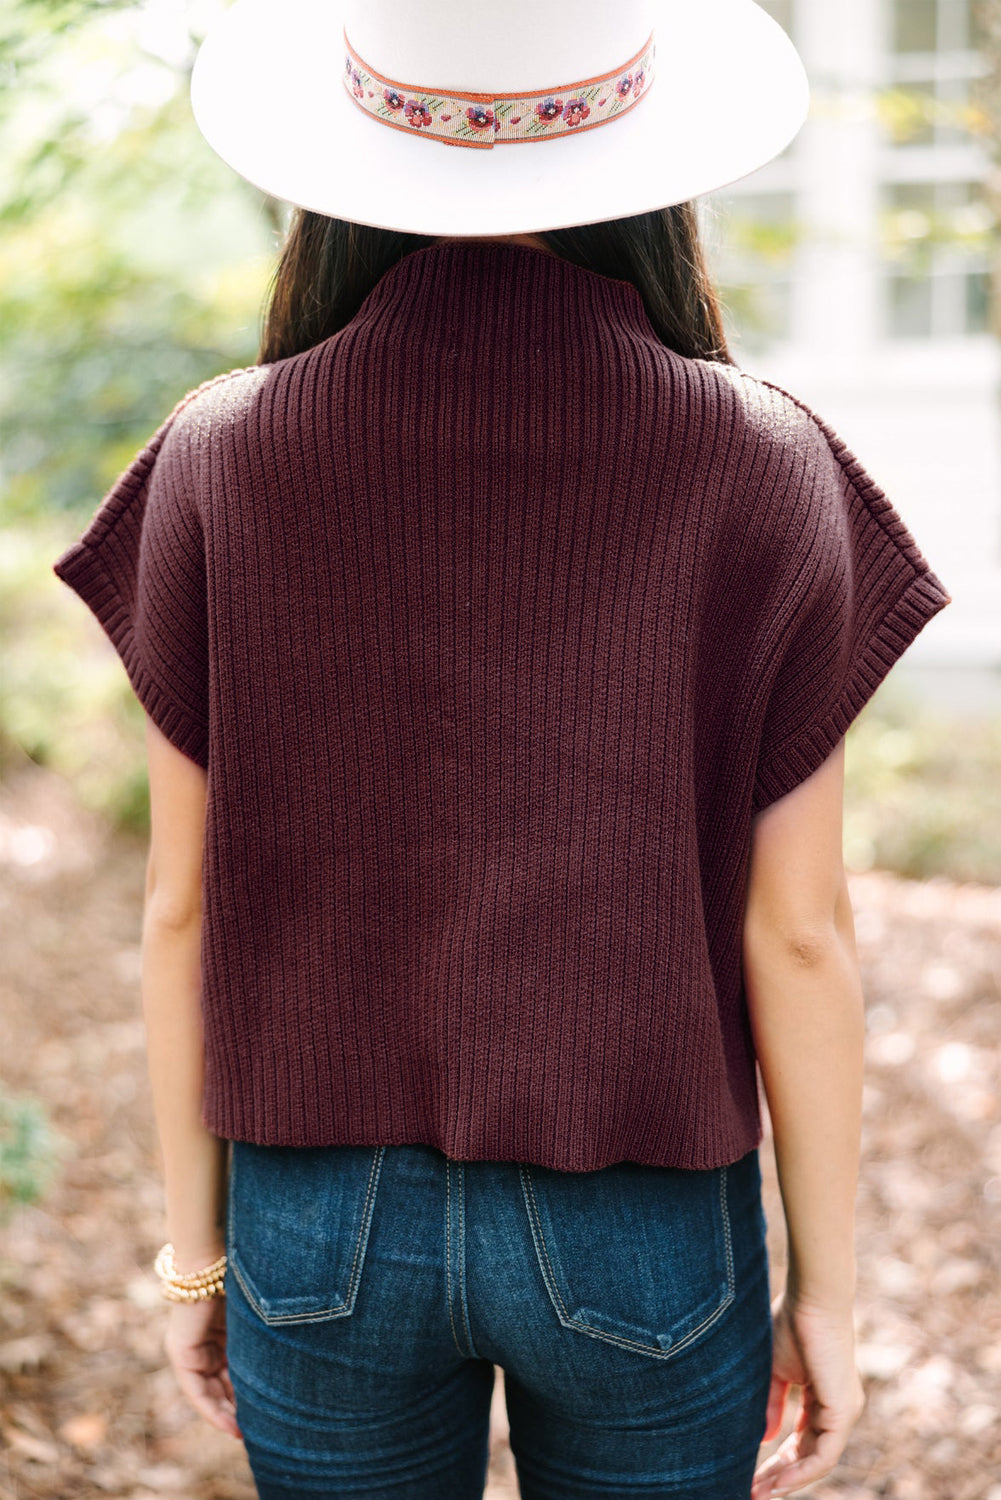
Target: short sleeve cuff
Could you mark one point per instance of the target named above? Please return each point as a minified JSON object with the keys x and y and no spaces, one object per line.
{"x":792,"y":763}
{"x":82,"y":569}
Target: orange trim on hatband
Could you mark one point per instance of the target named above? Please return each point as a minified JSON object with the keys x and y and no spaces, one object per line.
{"x":459,"y":118}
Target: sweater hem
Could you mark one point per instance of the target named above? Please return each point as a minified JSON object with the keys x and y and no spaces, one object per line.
{"x":731,"y":1144}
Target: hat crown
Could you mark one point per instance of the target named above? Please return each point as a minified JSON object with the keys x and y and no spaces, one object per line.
{"x":356,"y":108}
{"x":520,"y":46}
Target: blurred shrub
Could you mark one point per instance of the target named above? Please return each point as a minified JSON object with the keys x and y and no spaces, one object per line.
{"x":923,"y":790}
{"x":133,"y":265}
{"x":133,"y":262}
{"x":65,"y":700}
{"x":30,"y":1151}
{"x":97,"y":351}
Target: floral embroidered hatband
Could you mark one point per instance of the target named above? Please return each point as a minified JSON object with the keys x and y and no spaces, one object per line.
{"x":489,"y":120}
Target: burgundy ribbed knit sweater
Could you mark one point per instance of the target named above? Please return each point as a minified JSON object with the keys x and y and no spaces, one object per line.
{"x":494,"y":622}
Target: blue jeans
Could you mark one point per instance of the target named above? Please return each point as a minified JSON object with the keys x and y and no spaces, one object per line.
{"x":372,"y":1289}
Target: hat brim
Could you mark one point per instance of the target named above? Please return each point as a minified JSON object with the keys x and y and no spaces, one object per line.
{"x":729,"y":93}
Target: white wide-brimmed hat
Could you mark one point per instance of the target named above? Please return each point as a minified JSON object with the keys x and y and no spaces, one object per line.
{"x":570,"y":111}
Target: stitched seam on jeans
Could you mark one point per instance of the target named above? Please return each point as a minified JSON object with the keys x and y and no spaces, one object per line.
{"x":313,"y":1316}
{"x":230,"y":1195}
{"x":448,"y":1254}
{"x":365,"y":1212}
{"x":724,"y":1176}
{"x":650,"y":1348}
{"x":462,"y":1264}
{"x":248,"y":1292}
{"x":320,"y":1313}
{"x":551,"y":1278}
{"x":620,"y":1339}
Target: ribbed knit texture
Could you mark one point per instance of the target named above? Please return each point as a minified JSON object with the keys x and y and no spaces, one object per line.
{"x":494,"y":623}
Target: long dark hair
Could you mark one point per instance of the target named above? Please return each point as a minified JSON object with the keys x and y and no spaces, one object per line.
{"x":328,"y":266}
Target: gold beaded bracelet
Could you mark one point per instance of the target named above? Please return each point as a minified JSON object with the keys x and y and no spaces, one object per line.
{"x":193,"y":1287}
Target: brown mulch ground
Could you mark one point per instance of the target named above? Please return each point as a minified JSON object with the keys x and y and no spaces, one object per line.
{"x":88,"y":1404}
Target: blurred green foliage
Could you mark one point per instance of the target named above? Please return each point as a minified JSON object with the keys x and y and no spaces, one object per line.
{"x":922,"y":790}
{"x":133,"y":263}
{"x":133,"y":266}
{"x":31,"y":1151}
{"x":911,"y":114}
{"x":751,"y":241}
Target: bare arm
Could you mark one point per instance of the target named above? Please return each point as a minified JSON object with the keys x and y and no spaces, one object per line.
{"x":805,"y":1003}
{"x":806,"y":1009}
{"x":194,"y":1161}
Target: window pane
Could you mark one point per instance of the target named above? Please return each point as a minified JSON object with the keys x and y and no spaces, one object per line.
{"x":908,"y":112}
{"x":914,"y":26}
{"x":952,"y":115}
{"x":977,"y":34}
{"x":960,"y":194}
{"x":906,"y":218}
{"x":777,"y":205}
{"x":909,"y":306}
{"x":978,"y":291}
{"x":962,"y":26}
{"x":918,"y":219}
{"x":916,"y":197}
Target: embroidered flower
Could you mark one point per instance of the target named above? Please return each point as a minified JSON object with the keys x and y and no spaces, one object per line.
{"x":417,"y":113}
{"x":549,"y":110}
{"x":576,"y":110}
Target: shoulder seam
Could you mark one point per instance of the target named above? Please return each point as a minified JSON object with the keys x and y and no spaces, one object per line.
{"x":869,"y":491}
{"x":206,"y":385}
{"x":136,"y":473}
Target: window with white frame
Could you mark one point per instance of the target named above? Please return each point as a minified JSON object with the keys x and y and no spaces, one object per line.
{"x":752,"y":237}
{"x":936,"y":237}
{"x":935,"y":222}
{"x":934,"y":26}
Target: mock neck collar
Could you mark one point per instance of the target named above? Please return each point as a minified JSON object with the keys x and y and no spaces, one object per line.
{"x":456,"y":280}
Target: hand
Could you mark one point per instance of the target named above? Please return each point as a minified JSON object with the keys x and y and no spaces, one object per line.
{"x":196,"y":1348}
{"x":813,"y":1347}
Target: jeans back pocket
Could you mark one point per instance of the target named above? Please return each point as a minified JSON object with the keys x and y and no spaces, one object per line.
{"x":297,"y":1225}
{"x":638,"y":1255}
